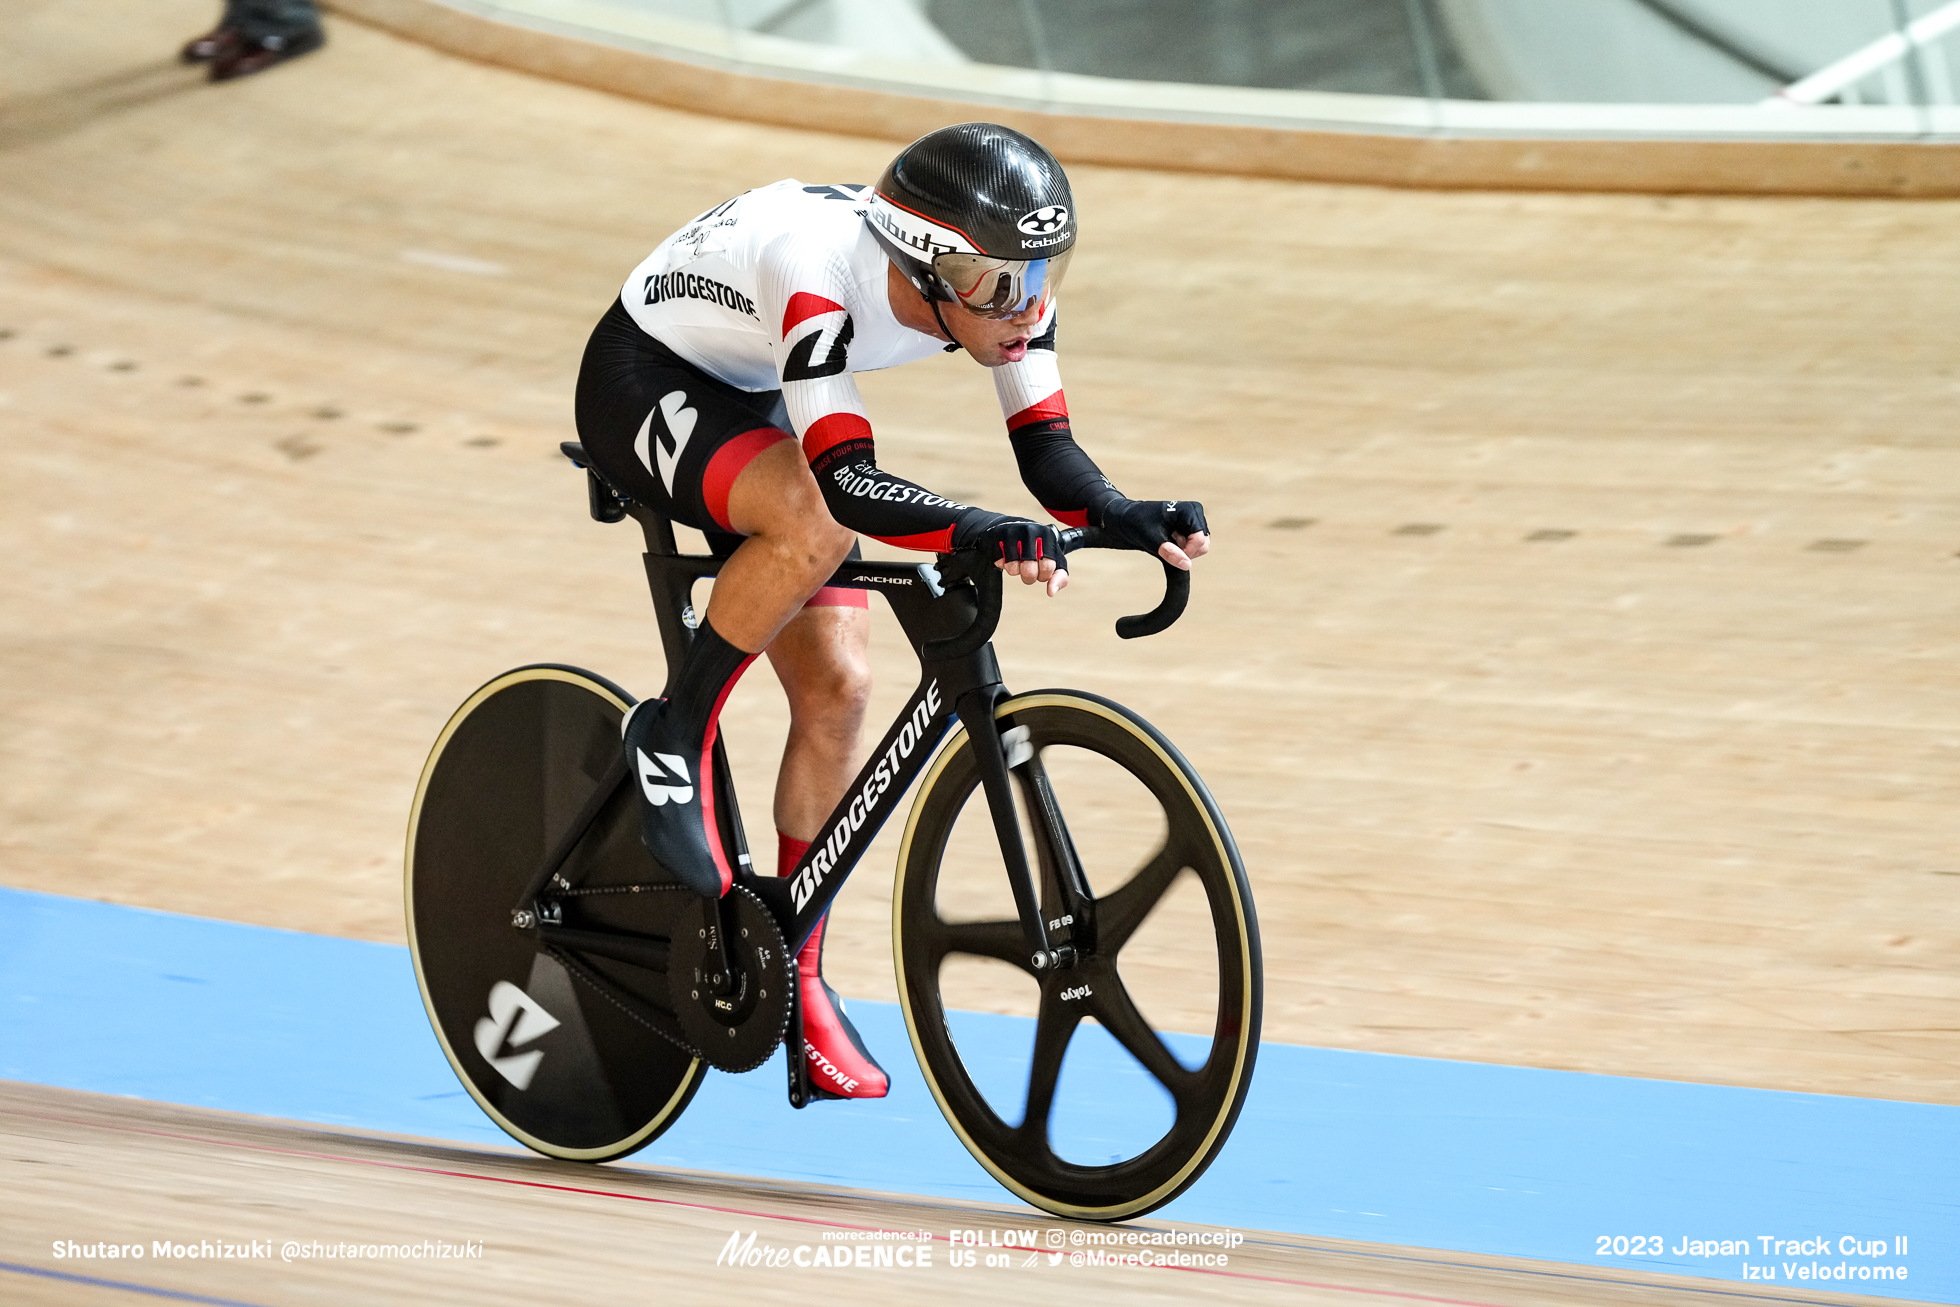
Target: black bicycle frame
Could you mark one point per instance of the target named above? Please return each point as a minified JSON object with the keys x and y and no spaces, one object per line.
{"x":933,"y":611}
{"x":948,"y":612}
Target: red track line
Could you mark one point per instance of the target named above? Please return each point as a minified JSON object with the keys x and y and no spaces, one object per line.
{"x":701,"y":1207}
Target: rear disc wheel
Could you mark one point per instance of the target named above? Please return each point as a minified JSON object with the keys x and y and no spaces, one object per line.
{"x":556,"y":1048}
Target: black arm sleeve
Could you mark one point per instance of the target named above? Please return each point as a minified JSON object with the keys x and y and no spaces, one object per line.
{"x":1056,"y":471}
{"x":871,"y":501}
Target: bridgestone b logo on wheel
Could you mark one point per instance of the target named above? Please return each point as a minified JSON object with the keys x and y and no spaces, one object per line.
{"x":515,"y":1019}
{"x":1052,"y":217}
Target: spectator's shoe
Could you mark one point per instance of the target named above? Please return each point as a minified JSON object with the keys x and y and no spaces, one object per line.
{"x":255,"y":55}
{"x":840,"y":1065}
{"x":677,"y":800}
{"x":213,"y":45}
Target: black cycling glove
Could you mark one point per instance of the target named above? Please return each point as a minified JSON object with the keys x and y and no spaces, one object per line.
{"x":1147,"y":523}
{"x":1009,"y":539}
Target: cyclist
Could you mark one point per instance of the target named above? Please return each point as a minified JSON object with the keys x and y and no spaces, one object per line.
{"x":718,"y":389}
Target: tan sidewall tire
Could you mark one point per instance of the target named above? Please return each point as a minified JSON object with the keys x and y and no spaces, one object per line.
{"x":1242,"y":915}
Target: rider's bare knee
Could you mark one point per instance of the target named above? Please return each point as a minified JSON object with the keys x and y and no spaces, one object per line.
{"x":805,"y":525}
{"x":835,"y":690}
{"x":836,"y":540}
{"x":849,"y":690}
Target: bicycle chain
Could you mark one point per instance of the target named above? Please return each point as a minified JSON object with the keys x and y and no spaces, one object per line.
{"x":605,"y":991}
{"x":586,"y":891}
{"x":600,"y":987}
{"x":747,"y":1059}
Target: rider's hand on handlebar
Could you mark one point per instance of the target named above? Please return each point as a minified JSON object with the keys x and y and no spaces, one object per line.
{"x":1172,"y":529}
{"x":1046,"y":571}
{"x":1196,"y":545}
{"x":1018,"y":547}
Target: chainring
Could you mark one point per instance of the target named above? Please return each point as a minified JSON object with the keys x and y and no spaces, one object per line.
{"x":737,"y":1030}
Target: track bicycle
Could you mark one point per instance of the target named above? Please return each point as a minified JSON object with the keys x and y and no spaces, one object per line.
{"x":580,"y":991}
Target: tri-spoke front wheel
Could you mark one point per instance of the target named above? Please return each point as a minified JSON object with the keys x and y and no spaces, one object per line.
{"x":1101,"y":1113}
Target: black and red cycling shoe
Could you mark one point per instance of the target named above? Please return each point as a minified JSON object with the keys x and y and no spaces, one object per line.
{"x":677,"y":799}
{"x":840,"y":1065}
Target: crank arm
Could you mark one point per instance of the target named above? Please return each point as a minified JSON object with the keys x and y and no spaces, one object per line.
{"x":725,"y":949}
{"x":799,"y":1066}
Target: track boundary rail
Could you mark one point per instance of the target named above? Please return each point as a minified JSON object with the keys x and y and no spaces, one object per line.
{"x":487,"y":32}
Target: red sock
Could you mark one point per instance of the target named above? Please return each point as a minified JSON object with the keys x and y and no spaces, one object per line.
{"x":789,"y":852}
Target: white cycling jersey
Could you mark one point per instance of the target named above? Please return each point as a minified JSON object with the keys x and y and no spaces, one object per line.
{"x":783,"y":287}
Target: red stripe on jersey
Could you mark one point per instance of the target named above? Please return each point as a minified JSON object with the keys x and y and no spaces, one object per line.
{"x":1069,"y":516}
{"x":832,"y":430}
{"x":803,"y":306}
{"x":1042,"y":410}
{"x":937,"y":541}
{"x":727,"y":463}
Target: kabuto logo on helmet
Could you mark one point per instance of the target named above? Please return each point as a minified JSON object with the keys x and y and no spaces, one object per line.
{"x":1049,"y":217}
{"x":914,"y":231}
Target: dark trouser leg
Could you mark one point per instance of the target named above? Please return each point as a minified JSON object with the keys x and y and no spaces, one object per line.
{"x":258,"y":19}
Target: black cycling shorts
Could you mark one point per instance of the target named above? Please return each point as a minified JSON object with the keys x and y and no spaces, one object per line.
{"x":672,"y":437}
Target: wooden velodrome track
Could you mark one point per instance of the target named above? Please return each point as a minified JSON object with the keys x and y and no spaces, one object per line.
{"x":1575,"y":664}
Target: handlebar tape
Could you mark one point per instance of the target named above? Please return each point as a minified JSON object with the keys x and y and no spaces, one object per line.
{"x":987,"y":584}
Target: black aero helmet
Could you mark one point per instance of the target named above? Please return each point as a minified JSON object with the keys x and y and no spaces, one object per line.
{"x":976,"y":214}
